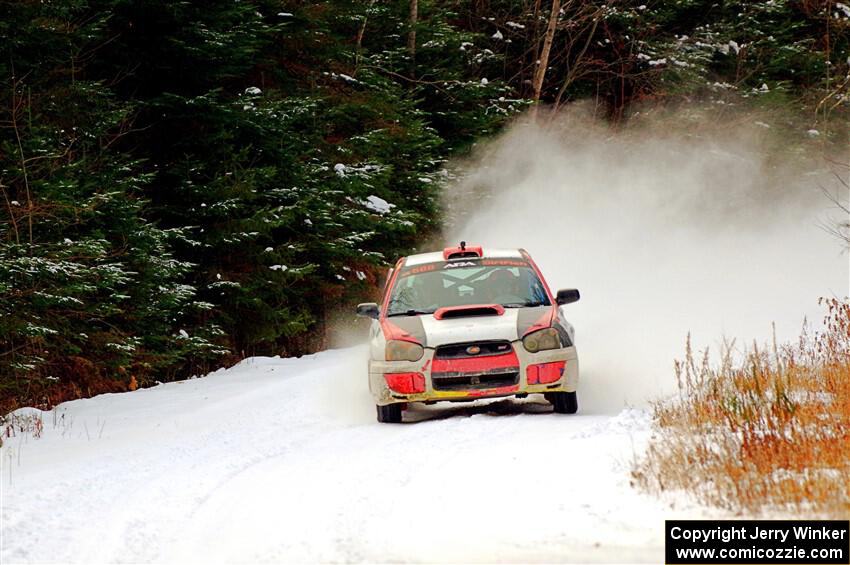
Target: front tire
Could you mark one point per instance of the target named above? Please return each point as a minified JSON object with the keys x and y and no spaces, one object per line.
{"x":389,"y":414}
{"x":564,"y":402}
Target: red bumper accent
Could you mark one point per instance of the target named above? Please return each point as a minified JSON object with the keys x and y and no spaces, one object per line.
{"x":476,"y":364}
{"x":544,"y":373}
{"x":406,"y":383}
{"x":494,"y":391}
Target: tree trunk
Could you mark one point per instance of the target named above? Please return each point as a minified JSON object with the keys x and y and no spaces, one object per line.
{"x":543,"y":62}
{"x":535,"y":51}
{"x":360,"y":33}
{"x":411,"y":36}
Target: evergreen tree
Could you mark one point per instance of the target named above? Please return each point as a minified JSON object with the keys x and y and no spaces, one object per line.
{"x":185,"y":183}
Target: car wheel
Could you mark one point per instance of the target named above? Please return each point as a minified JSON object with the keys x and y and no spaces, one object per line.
{"x":564,"y":402}
{"x":389,"y":414}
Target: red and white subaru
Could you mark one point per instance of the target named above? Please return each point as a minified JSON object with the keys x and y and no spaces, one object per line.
{"x":467,"y":323}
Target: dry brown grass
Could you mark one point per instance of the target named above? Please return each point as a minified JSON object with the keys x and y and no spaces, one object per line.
{"x":769,"y":432}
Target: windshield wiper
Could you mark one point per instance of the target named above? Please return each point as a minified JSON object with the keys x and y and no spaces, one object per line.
{"x":526,"y":304}
{"x":410,"y":313}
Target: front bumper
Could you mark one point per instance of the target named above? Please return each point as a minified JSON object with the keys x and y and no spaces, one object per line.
{"x":383,"y":395}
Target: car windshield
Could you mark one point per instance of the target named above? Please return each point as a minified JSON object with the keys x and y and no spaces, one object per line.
{"x":424,"y":289}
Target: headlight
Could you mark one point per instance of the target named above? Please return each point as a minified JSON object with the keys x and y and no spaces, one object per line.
{"x":541,"y":340}
{"x":398,"y":350}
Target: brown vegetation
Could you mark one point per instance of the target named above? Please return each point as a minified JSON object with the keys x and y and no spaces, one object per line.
{"x":76,"y":377}
{"x":770,"y":432}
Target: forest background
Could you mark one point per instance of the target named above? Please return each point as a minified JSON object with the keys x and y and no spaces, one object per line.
{"x":188,"y":183}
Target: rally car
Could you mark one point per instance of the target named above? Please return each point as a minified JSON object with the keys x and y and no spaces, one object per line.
{"x":468,"y":323}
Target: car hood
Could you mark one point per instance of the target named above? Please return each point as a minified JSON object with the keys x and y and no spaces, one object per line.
{"x":432,"y":332}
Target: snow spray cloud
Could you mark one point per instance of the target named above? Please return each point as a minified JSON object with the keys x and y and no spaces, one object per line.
{"x":668,"y":226}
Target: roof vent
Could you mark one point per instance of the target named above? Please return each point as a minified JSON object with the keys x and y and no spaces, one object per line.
{"x":461,"y":252}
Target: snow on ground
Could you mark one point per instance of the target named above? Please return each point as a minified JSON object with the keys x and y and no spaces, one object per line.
{"x":281,"y":460}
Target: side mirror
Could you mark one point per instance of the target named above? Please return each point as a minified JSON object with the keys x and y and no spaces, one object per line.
{"x":567,"y":296}
{"x":368,"y":310}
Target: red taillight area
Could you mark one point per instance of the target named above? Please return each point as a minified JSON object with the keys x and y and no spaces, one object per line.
{"x":544,"y":373}
{"x":406,"y":383}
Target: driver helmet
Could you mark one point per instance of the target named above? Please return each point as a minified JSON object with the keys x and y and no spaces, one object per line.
{"x":501,"y":282}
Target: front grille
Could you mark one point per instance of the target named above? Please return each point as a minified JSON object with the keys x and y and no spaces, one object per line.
{"x":475,"y":381}
{"x":459,"y":350}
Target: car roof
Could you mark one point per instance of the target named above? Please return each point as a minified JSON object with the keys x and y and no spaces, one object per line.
{"x":487,"y":252}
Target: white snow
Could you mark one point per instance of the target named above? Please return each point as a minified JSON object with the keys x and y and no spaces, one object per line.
{"x":514,"y":25}
{"x":281,"y":460}
{"x":339,"y":169}
{"x":15,"y":203}
{"x":497,"y":35}
{"x":184,"y":334}
{"x":484,"y":80}
{"x":378,"y":204}
{"x":253,"y":90}
{"x":281,"y":268}
{"x":813,"y":133}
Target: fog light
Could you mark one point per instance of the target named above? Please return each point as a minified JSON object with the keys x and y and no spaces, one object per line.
{"x":544,"y":373}
{"x":406,"y":383}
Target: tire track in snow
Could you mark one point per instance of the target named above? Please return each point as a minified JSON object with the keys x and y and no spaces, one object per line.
{"x":281,"y":460}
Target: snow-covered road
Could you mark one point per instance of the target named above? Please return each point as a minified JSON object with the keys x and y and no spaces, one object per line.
{"x":282,"y":460}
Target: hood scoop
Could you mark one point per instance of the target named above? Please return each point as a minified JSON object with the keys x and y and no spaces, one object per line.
{"x":469,"y":311}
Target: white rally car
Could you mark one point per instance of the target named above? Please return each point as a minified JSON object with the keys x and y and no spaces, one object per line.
{"x":467,"y":323}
